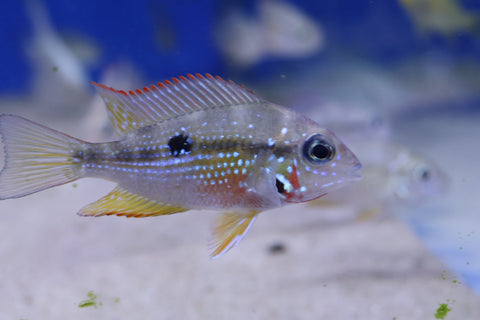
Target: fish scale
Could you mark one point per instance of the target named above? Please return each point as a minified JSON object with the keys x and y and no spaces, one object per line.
{"x":196,"y":142}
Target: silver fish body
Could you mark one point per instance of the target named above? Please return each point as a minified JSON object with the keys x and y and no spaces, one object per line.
{"x":224,"y":158}
{"x":196,"y":143}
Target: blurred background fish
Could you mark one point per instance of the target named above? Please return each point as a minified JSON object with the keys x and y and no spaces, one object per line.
{"x":277,"y":29}
{"x":441,"y":17}
{"x":58,"y":63}
{"x":393,"y":176}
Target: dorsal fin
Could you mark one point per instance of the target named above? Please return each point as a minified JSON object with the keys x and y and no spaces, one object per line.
{"x":121,"y":202}
{"x":169,"y":99}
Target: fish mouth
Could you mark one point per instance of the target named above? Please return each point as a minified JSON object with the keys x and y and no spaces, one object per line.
{"x":355,"y":176}
{"x":351,"y":159}
{"x":354,"y":165}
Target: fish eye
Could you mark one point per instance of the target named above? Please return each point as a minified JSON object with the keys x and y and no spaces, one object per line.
{"x":317,"y":150}
{"x":423,"y":173}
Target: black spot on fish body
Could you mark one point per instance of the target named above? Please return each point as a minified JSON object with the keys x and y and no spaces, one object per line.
{"x":280,"y":186}
{"x":179,"y":145}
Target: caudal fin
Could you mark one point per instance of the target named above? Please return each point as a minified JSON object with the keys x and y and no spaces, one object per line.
{"x":36,"y":157}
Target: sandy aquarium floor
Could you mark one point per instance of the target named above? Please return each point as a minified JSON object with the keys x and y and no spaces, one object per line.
{"x":298,"y":262}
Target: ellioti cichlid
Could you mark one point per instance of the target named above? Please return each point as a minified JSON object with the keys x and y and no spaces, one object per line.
{"x":196,"y":142}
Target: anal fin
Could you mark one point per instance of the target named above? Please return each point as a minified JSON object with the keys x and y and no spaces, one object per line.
{"x":229,"y":230}
{"x":121,"y":202}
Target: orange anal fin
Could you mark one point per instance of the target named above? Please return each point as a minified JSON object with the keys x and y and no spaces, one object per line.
{"x":121,"y":202}
{"x":229,"y":229}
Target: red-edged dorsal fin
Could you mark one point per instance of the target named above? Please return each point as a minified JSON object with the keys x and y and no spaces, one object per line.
{"x":169,"y":99}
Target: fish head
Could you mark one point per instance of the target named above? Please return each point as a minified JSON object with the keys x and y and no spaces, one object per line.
{"x":319,"y":163}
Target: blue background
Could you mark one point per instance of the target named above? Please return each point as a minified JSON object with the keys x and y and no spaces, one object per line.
{"x":378,"y":30}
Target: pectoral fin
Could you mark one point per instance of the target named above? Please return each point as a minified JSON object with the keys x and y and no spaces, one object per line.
{"x":121,"y":202}
{"x":229,"y":230}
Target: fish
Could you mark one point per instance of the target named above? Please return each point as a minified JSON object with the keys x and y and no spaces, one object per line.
{"x":278,"y":29}
{"x":441,"y":17}
{"x":193,"y":142}
{"x":60,"y":65}
{"x":393,"y":176}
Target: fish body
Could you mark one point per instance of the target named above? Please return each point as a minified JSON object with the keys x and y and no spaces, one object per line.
{"x":191,"y":143}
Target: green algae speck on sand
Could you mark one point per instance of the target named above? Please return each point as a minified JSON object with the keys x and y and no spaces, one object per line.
{"x":90,"y":302}
{"x":442,"y":311}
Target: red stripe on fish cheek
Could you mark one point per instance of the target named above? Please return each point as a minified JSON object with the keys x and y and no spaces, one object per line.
{"x":293,"y":178}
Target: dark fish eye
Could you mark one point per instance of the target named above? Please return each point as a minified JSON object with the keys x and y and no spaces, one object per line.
{"x":317,"y":150}
{"x":423,"y":173}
